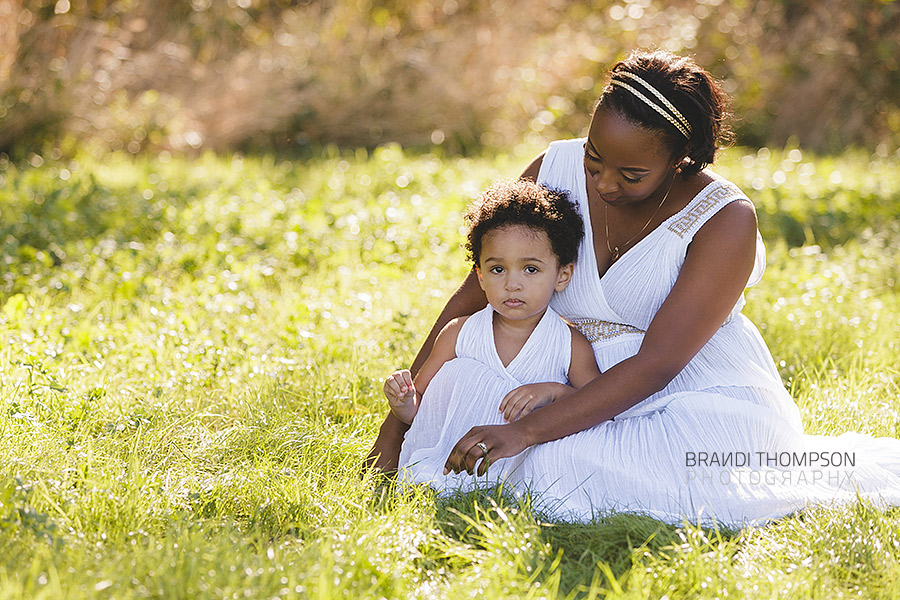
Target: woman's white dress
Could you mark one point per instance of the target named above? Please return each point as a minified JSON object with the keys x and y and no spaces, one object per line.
{"x":723,"y":441}
{"x":467,"y":390}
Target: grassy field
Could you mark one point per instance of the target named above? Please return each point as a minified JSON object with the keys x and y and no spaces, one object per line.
{"x":191,"y":356}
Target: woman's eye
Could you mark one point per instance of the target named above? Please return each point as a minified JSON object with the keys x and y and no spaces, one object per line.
{"x":632,"y":179}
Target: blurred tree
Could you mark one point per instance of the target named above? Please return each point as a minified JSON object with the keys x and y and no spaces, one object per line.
{"x":844,"y":82}
{"x":241,"y":74}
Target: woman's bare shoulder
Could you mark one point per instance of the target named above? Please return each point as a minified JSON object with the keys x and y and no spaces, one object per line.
{"x":734,"y":226}
{"x":531,"y":171}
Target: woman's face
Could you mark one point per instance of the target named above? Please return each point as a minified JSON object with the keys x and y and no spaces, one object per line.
{"x":625,"y":164}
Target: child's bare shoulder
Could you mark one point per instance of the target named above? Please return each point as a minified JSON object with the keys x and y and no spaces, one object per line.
{"x":578,"y":340}
{"x":458,"y":321}
{"x":583,"y":365}
{"x":454,"y":325}
{"x":450,"y":332}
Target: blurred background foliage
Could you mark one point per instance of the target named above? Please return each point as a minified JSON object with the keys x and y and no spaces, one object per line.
{"x":284,"y":75}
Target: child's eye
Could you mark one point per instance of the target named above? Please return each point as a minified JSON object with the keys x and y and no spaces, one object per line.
{"x":531,"y":270}
{"x":496,"y":269}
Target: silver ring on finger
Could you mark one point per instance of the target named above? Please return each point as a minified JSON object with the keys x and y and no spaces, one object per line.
{"x":483,"y":447}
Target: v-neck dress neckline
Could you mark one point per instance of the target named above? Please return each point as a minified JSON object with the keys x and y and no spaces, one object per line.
{"x":589,"y":247}
{"x":526,"y":348}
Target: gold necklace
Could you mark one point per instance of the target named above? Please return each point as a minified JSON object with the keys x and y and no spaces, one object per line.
{"x":614,"y":251}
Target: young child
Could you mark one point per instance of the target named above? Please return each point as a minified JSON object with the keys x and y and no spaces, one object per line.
{"x":523,"y":240}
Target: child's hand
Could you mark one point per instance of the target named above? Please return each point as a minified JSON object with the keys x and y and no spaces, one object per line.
{"x":527,"y":398}
{"x":400,"y":392}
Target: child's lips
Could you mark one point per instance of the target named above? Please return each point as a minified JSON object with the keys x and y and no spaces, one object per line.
{"x":514,"y":303}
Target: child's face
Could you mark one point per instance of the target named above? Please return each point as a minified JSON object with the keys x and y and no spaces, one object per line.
{"x":519,"y":272}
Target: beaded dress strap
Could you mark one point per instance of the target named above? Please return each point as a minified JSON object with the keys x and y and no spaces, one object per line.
{"x":596,"y":329}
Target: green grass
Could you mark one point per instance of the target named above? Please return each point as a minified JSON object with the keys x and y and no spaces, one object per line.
{"x":191,"y":356}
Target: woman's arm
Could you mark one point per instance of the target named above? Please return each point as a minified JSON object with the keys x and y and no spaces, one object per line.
{"x":712,"y":278}
{"x":468,"y":299}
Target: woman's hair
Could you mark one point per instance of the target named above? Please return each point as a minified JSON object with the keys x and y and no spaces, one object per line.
{"x":692,"y":92}
{"x":524,"y":202}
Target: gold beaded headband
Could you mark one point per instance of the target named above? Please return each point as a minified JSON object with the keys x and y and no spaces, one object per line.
{"x":675,"y":117}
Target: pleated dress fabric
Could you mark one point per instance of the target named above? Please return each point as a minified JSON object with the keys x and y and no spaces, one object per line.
{"x":724,"y":440}
{"x":467,"y":391}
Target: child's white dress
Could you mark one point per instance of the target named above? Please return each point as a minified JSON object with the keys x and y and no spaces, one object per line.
{"x":467,"y":391}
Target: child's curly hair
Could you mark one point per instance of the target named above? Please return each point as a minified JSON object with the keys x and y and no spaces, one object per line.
{"x":524,"y":202}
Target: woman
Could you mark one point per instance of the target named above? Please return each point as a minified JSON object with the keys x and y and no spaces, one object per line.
{"x":689,"y":417}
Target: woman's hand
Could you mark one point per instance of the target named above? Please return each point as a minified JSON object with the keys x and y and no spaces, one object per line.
{"x":488,"y":442}
{"x":526,"y":398}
